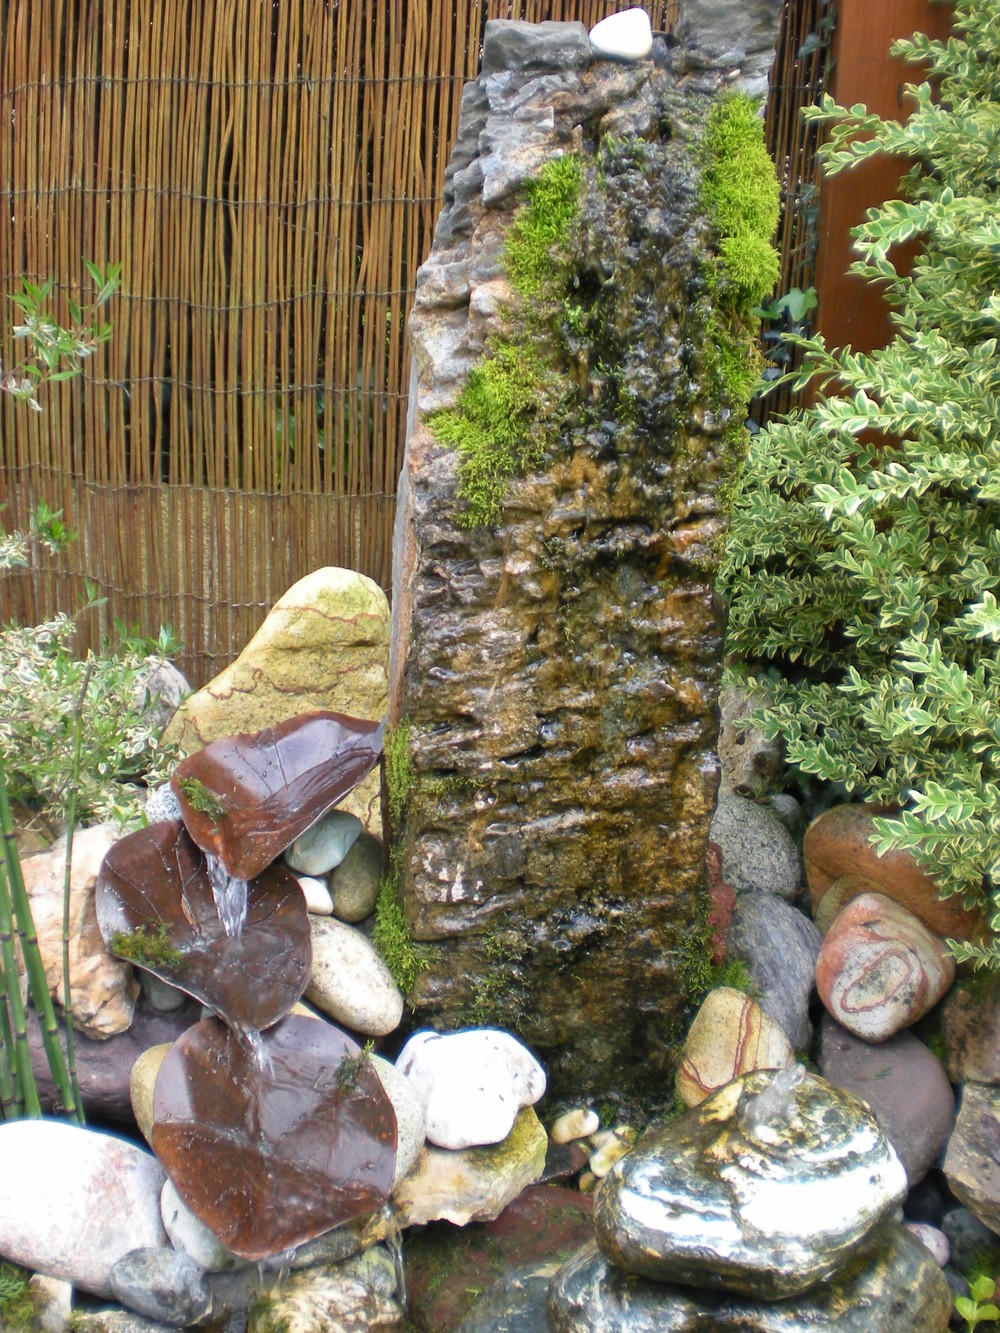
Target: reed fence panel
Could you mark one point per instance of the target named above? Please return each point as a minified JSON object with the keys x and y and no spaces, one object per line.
{"x":268,"y":173}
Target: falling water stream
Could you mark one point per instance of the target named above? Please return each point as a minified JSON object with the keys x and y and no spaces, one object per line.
{"x":230,"y":896}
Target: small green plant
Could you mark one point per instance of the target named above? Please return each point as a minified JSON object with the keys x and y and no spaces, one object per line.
{"x":202,"y":798}
{"x":537,"y":240}
{"x":863,"y":564}
{"x":978,"y":1307}
{"x":404,"y":958}
{"x":351,"y":1066}
{"x":145,"y":945}
{"x":400,"y":778}
{"x":17,"y":1306}
{"x":55,"y":352}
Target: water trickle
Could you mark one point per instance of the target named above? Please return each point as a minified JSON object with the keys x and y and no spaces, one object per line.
{"x":394,"y":1244}
{"x":230,"y":896}
{"x":255,"y":1046}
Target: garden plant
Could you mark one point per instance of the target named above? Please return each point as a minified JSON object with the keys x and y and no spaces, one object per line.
{"x":864,"y":557}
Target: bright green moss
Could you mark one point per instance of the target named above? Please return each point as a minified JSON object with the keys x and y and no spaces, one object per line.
{"x":399,"y":774}
{"x":393,"y":940}
{"x":536,"y":242}
{"x":741,"y":192}
{"x":494,"y":427}
{"x":499,"y":424}
{"x":145,"y":946}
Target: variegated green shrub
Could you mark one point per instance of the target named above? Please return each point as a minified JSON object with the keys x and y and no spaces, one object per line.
{"x":863,"y":565}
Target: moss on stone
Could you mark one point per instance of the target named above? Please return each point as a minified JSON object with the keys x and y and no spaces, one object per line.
{"x":502,"y":420}
{"x":536,"y":254}
{"x":18,"y":1310}
{"x":146,"y":945}
{"x":393,"y":939}
{"x":399,"y":773}
{"x":741,"y":192}
{"x":494,"y":427}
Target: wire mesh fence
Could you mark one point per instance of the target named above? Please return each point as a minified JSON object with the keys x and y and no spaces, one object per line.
{"x":268,"y":173}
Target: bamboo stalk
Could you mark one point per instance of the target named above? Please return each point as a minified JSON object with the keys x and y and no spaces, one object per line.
{"x":41,"y":999}
{"x":67,"y":882}
{"x":26,"y":1094}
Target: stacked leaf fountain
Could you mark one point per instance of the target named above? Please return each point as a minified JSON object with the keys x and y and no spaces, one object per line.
{"x":273,"y":1128}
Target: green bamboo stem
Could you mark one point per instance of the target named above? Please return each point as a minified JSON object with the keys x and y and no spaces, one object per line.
{"x":33,"y":958}
{"x":67,"y":882}
{"x":26,"y":1094}
{"x":9,"y":1107}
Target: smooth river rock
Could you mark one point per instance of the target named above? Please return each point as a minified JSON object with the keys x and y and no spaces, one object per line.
{"x":880,"y":968}
{"x":892,"y":1286}
{"x":349,"y":980}
{"x":323,"y":645}
{"x":779,"y":946}
{"x":764,"y":1189}
{"x":972,"y":1162}
{"x":731,"y":1035}
{"x":73,"y":1201}
{"x":103,"y":988}
{"x":472,"y":1084}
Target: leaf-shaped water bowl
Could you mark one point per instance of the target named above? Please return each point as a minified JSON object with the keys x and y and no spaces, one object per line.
{"x":246,"y":798}
{"x":270,"y":1154}
{"x":156,"y":907}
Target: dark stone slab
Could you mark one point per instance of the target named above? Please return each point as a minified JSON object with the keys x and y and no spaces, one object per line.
{"x":517,"y":45}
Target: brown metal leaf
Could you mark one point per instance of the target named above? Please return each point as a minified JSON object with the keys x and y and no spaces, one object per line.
{"x":246,"y":798}
{"x":270,"y":1153}
{"x":155,"y":906}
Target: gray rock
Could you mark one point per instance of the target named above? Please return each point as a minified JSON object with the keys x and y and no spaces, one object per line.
{"x":162,"y":997}
{"x":162,"y":1284}
{"x":117,"y":1321}
{"x":904,"y":1084}
{"x":515,"y":1304}
{"x":893,"y":1286}
{"x":324,"y":844}
{"x":162,"y":804}
{"x":974,"y":1247}
{"x":349,"y":1296}
{"x":724,"y":36}
{"x":971,"y":1163}
{"x":354,"y":884}
{"x":764,"y":1189}
{"x":103,"y":1067}
{"x":758,"y":852}
{"x":750,"y":762}
{"x":517,"y":45}
{"x":779,"y":945}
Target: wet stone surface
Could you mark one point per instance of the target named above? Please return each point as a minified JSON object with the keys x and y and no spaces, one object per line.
{"x":561,"y":670}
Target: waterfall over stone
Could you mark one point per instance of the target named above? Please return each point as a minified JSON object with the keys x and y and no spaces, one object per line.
{"x":556,"y":658}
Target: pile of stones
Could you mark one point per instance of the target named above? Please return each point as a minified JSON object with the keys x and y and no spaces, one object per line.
{"x":767,"y":1208}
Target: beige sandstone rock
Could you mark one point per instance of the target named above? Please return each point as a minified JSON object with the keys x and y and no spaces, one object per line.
{"x":323,"y":645}
{"x":731,"y":1035}
{"x":103,"y":988}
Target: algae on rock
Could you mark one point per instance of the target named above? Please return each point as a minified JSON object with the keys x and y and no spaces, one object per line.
{"x":558,"y":666}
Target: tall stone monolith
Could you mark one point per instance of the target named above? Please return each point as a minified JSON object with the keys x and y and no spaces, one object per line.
{"x":555,"y":668}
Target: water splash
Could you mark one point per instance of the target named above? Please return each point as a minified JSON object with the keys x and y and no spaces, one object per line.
{"x":774,"y":1107}
{"x":230,"y":896}
{"x":393,"y":1241}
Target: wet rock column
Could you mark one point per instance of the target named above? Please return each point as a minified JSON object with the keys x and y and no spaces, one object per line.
{"x":555,"y":674}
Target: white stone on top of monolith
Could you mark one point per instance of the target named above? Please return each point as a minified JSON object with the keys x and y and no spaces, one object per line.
{"x":624,"y":36}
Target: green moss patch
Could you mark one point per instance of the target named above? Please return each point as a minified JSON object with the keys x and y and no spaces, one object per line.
{"x":501,"y":422}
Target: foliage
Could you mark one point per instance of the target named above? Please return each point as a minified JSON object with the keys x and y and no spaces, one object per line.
{"x":498,"y":424}
{"x":864,"y":558}
{"x":978,"y":1307}
{"x":54,"y":352}
{"x":119,"y":743}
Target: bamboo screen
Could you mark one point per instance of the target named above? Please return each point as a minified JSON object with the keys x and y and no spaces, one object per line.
{"x":268,"y":173}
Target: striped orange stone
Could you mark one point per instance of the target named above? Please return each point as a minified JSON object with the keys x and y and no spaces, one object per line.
{"x":880,"y":968}
{"x":841,"y":863}
{"x":731,"y":1035}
